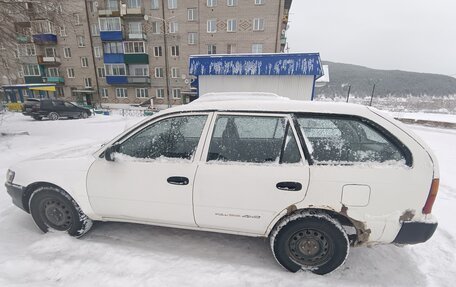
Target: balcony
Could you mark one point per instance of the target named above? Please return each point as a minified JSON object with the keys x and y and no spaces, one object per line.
{"x":23,"y":39}
{"x":33,"y":79}
{"x":113,"y":58}
{"x":42,"y":60}
{"x":116,"y":80}
{"x":113,"y":12}
{"x":28,"y":59}
{"x":111,"y":35}
{"x":57,"y":80}
{"x":136,"y":59}
{"x":138,"y":11}
{"x":138,"y":80}
{"x":45,"y":39}
{"x":137,"y":36}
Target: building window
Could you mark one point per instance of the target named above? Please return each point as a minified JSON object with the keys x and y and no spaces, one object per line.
{"x":231,"y":25}
{"x":95,"y":30}
{"x":212,"y":25}
{"x":81,"y":41}
{"x":231,"y":3}
{"x":259,"y":2}
{"x":67,"y":52}
{"x":176,"y":93}
{"x":139,"y":70}
{"x":112,"y":47}
{"x":257,"y":48}
{"x":258,"y":24}
{"x":160,"y":93}
{"x":88,"y":82}
{"x":25,"y":50}
{"x":52,"y":72}
{"x":154,"y":4}
{"x":158,"y":51}
{"x":121,"y":93}
{"x":115,"y":70}
{"x":134,"y":3}
{"x":135,"y":28}
{"x":156,"y":27}
{"x":172,"y":4}
{"x":110,"y":24}
{"x":134,"y":47}
{"x":231,"y":49}
{"x":97,"y":51}
{"x":70,"y":73}
{"x":211,"y":49}
{"x":192,"y":14}
{"x":77,"y":19}
{"x":174,"y":72}
{"x":101,"y":72}
{"x":192,"y":36}
{"x":104,"y":92}
{"x":173,"y":27}
{"x":158,"y":72}
{"x":211,"y":3}
{"x":84,"y":62}
{"x":112,"y":5}
{"x":142,"y":93}
{"x":50,"y":52}
{"x":174,"y":51}
{"x":62,"y":31}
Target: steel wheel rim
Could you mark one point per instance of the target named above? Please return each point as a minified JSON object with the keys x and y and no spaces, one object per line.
{"x":310,"y":247}
{"x":56,"y":214}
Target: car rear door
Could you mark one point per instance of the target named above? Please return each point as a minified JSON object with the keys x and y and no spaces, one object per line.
{"x":252,"y":168}
{"x":152,"y":176}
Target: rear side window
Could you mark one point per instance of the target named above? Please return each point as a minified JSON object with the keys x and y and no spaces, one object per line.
{"x":339,"y":140}
{"x":253,"y":139}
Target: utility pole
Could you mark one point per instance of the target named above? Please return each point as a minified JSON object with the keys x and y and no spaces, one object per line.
{"x":372,"y":96}
{"x":348,"y":94}
{"x":165,"y":42}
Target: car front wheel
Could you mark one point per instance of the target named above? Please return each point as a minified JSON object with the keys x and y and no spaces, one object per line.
{"x":53,"y":116}
{"x":310,"y":241}
{"x":83,"y":115}
{"x":52,"y":208}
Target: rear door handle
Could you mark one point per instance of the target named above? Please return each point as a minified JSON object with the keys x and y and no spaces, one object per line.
{"x":178,"y":180}
{"x":289,"y":186}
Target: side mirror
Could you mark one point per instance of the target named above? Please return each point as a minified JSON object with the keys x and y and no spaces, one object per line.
{"x":109,"y":152}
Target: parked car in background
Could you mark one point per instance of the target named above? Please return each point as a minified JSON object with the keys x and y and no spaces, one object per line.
{"x":53,"y":109}
{"x":316,"y":178}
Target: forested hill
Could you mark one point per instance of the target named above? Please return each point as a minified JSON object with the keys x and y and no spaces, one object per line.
{"x":393,"y":82}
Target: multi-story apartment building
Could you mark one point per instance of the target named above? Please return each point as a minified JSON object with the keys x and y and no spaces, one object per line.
{"x":129,"y":51}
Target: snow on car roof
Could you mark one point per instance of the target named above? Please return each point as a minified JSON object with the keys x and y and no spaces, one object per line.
{"x":264,"y":102}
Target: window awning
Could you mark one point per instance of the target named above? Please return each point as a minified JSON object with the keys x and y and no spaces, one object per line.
{"x":49,"y":88}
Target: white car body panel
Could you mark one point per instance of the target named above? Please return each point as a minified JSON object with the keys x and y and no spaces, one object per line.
{"x":99,"y":186}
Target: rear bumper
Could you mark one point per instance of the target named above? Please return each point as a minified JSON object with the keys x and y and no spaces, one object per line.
{"x":17,"y":194}
{"x":414,"y":232}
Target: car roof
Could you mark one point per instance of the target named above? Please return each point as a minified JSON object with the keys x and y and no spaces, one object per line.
{"x":268,"y":104}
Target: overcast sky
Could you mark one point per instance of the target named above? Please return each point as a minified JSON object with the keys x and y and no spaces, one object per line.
{"x":411,"y":35}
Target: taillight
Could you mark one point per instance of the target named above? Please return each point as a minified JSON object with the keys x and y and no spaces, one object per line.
{"x":432,"y":196}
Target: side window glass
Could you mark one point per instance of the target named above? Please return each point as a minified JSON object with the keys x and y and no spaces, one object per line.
{"x":176,"y":137}
{"x":290,"y":152}
{"x":254,"y":139}
{"x":346,"y":141}
{"x":68,"y":105}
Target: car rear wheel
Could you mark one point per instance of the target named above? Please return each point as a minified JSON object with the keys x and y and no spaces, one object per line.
{"x":52,"y":208}
{"x":310,"y":241}
{"x":53,"y":116}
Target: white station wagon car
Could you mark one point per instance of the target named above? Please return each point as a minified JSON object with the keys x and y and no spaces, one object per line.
{"x":316,"y":178}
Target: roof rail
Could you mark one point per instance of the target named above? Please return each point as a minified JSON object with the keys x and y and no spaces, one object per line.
{"x":239,"y":96}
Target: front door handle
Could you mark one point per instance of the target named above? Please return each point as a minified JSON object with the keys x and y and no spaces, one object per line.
{"x":289,"y":186}
{"x":178,"y":180}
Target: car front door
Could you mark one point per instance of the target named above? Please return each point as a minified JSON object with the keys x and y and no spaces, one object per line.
{"x":151,"y":177}
{"x":252,"y":169}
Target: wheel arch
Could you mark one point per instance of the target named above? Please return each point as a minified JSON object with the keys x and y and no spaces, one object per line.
{"x":355,"y":230}
{"x":33,"y":187}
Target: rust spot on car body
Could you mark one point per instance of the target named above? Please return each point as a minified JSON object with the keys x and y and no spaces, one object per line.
{"x":407,"y":215}
{"x":362,"y":232}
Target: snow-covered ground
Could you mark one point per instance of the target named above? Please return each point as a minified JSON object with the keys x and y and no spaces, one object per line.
{"x":121,"y":254}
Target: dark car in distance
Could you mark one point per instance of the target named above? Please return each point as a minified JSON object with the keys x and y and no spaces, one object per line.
{"x":53,"y":109}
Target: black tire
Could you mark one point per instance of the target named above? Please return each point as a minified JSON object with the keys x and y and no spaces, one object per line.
{"x":83,"y":115}
{"x":52,"y":208}
{"x":310,"y":241}
{"x":53,"y":116}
